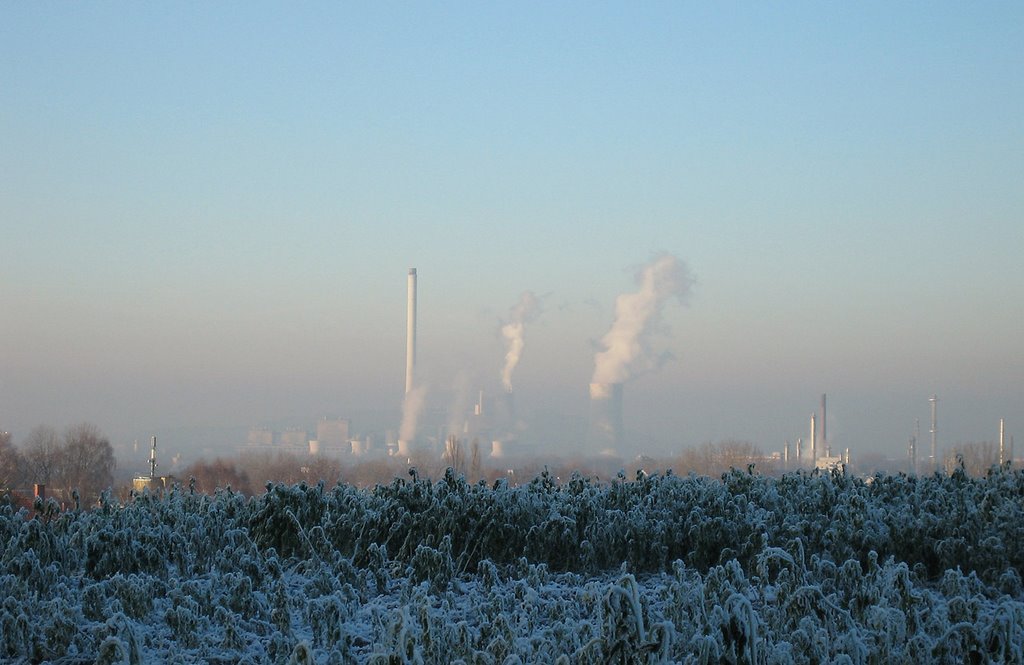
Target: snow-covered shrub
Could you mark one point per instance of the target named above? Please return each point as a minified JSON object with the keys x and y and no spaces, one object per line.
{"x":807,"y":568}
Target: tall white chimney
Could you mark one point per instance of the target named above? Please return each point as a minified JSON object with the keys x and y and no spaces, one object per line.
{"x":814,"y":443}
{"x":823,"y":433}
{"x":1002,"y":442}
{"x":410,"y":339}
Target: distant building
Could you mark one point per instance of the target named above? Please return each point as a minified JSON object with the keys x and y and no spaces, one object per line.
{"x":829,"y":463}
{"x":155,"y":484}
{"x":333,"y":435}
{"x":260,"y":436}
{"x":294,"y":438}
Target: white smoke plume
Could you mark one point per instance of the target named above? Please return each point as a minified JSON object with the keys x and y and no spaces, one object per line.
{"x":461,"y":390}
{"x":412,"y":407}
{"x":627,"y":351}
{"x":514,"y":332}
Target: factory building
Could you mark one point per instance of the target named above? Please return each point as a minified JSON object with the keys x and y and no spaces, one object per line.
{"x":332,"y":435}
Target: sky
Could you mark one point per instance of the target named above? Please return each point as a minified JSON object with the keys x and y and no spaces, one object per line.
{"x":208,"y":211}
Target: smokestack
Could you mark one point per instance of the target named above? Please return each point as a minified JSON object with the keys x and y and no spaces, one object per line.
{"x":1002,"y":443}
{"x":799,"y":450}
{"x":152,"y":459}
{"x":410,"y":333}
{"x":814,"y":450}
{"x":606,"y":429}
{"x":824,"y":435}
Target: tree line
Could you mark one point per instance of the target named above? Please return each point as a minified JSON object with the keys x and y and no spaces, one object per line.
{"x":81,"y":459}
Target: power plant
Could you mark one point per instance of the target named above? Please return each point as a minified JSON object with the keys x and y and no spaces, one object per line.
{"x":625,"y":354}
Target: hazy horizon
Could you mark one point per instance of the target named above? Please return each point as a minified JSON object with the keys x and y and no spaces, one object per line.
{"x":208,"y":214}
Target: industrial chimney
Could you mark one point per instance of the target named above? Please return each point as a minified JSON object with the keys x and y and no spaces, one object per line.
{"x":823,"y":444}
{"x":410,"y":336}
{"x":1002,"y":443}
{"x":814,"y":443}
{"x":606,"y":429}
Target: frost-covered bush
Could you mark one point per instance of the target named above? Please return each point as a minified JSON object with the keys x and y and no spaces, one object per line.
{"x":807,"y":568}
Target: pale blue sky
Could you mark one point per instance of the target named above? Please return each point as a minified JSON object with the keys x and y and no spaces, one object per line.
{"x":207,"y":210}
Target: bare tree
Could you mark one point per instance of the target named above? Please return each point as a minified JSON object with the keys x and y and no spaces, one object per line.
{"x":220,"y":473}
{"x":713,"y":459}
{"x":327,"y":469}
{"x":42,"y":452}
{"x":373,"y":471}
{"x":263,"y":468}
{"x":454,"y":455}
{"x":474,"y":460}
{"x":10,"y":462}
{"x":87,"y":463}
{"x":976,"y":458}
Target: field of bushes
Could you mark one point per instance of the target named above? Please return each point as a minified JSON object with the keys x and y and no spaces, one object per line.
{"x":806,"y":568}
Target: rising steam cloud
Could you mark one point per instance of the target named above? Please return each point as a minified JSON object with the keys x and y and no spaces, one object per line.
{"x":627,"y":352}
{"x":525,"y":311}
{"x":412,"y":406}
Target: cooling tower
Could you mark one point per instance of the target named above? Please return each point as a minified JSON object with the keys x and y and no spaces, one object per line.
{"x":606,"y":429}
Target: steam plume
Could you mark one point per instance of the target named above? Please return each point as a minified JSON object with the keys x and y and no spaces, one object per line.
{"x":525,"y":311}
{"x":626,"y":350}
{"x":460,"y":403}
{"x":412,"y":406}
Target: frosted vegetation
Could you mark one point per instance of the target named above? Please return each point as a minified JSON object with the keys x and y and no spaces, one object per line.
{"x":807,"y":568}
